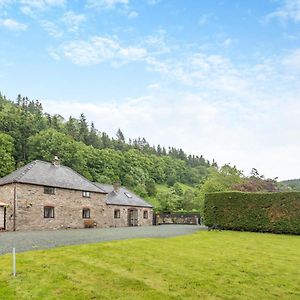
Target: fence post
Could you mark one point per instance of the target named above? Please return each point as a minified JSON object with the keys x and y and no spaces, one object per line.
{"x":14,"y":262}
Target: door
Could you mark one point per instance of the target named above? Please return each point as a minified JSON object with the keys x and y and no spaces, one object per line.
{"x":132,"y":217}
{"x":2,"y":217}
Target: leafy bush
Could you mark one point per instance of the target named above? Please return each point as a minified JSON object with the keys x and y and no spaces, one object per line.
{"x":264,"y":212}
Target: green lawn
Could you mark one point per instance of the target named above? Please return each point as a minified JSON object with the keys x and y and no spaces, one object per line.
{"x":204,"y":265}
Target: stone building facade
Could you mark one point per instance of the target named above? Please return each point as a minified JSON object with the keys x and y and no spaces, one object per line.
{"x":45,"y":205}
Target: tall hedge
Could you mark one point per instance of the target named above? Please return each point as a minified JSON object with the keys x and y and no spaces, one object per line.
{"x":264,"y":212}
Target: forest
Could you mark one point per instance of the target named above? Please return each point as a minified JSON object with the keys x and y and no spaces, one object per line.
{"x":169,"y":178}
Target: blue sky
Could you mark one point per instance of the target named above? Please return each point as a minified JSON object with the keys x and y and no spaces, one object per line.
{"x":216,"y":77}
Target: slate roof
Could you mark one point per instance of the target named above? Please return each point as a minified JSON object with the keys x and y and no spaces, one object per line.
{"x":120,"y":197}
{"x":44,"y":173}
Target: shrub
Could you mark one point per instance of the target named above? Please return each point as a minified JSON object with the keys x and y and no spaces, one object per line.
{"x":89,"y":224}
{"x":264,"y":212}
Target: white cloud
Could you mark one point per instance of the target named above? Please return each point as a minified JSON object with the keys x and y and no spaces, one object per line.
{"x":228,"y":42}
{"x":52,"y":28}
{"x":4,"y":3}
{"x":13,"y":25}
{"x":153,"y":2}
{"x":290,"y":10}
{"x":106,"y":4}
{"x":30,"y":7}
{"x":41,"y":4}
{"x":99,"y":49}
{"x":205,"y":19}
{"x":73,"y":21}
{"x":53,"y":53}
{"x":292,"y":60}
{"x":133,"y":14}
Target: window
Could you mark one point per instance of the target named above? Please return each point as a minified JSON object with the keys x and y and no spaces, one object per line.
{"x":86,"y":213}
{"x":86,"y":194}
{"x":117,"y":214}
{"x":49,"y":190}
{"x":128,"y":195}
{"x":48,"y":212}
{"x":145,"y":214}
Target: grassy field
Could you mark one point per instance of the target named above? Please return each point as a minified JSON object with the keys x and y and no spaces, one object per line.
{"x":204,"y":265}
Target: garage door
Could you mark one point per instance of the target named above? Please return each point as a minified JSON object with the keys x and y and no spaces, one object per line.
{"x":2,"y":217}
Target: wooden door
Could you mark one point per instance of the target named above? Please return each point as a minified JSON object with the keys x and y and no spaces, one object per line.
{"x":2,"y":217}
{"x":132,"y":217}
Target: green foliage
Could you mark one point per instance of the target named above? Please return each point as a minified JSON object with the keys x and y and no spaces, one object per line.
{"x":292,"y":184}
{"x":140,"y":190}
{"x":169,"y":201}
{"x":7,"y":162}
{"x":38,"y":135}
{"x":218,"y":181}
{"x":265,"y":212}
{"x":150,"y":187}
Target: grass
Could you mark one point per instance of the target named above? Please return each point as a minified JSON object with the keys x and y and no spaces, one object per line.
{"x":204,"y":265}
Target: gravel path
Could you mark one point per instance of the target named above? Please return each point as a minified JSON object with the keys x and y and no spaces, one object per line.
{"x":33,"y":240}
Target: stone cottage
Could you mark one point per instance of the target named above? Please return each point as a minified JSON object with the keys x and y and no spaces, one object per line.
{"x":43,"y":195}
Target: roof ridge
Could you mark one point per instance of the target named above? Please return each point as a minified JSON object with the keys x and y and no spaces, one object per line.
{"x":83,"y":177}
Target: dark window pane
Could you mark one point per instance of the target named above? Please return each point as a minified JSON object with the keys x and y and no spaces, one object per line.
{"x":48,"y":212}
{"x":86,"y":213}
{"x":145,"y":214}
{"x":49,"y":190}
{"x":117,"y":214}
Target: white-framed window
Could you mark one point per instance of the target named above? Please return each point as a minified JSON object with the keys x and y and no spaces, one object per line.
{"x":86,"y":213}
{"x":86,"y":194}
{"x":117,"y":214}
{"x":49,"y":190}
{"x":48,"y":212}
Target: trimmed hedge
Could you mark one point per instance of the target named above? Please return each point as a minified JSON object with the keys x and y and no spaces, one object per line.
{"x":264,"y":212}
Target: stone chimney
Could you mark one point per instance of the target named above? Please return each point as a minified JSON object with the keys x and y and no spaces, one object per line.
{"x":56,"y":161}
{"x":116,"y":187}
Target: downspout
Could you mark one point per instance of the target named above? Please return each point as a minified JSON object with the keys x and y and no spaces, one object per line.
{"x":15,"y":204}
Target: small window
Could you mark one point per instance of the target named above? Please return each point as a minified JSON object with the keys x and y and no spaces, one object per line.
{"x":49,"y":190}
{"x":86,"y":194}
{"x":128,"y":195}
{"x":117,"y":214}
{"x":86,"y":213}
{"x":48,"y":212}
{"x":145,"y":214}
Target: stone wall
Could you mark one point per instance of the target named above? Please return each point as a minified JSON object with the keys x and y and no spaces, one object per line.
{"x":123,"y":220}
{"x":7,"y":196}
{"x":68,"y":205}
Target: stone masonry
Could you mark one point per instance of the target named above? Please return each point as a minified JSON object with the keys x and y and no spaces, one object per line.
{"x":68,"y":205}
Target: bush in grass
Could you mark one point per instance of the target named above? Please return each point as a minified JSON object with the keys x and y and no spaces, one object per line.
{"x":264,"y":212}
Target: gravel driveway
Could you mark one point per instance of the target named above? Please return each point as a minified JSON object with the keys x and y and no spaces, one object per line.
{"x":33,"y":240}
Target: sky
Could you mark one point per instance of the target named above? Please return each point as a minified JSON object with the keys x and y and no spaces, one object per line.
{"x":219,"y":78}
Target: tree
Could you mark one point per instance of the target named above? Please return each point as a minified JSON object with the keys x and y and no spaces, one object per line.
{"x":120,"y":136}
{"x":83,"y":129}
{"x":150,"y":187}
{"x":168,"y":201}
{"x":219,"y":180}
{"x":7,"y":162}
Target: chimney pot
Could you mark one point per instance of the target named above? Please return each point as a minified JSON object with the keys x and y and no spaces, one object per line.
{"x":56,"y":161}
{"x":116,"y":187}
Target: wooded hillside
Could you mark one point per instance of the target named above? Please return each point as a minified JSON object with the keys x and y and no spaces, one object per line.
{"x":28,"y":133}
